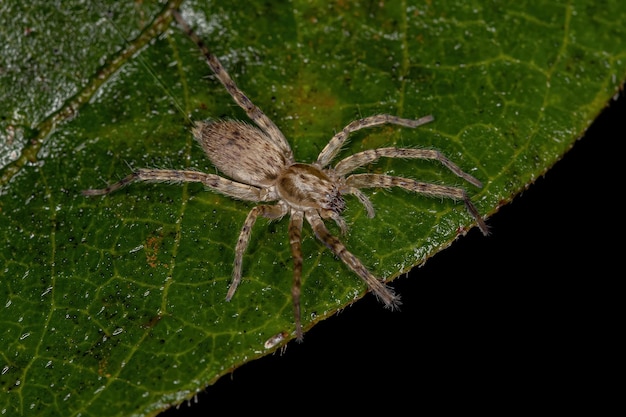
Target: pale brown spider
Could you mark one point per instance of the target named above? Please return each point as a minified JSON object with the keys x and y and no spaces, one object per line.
{"x":262,"y":168}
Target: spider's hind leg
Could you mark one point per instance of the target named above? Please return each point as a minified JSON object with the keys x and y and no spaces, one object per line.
{"x":295,"y":240}
{"x":267,"y":211}
{"x":254,"y":113}
{"x":336,"y":142}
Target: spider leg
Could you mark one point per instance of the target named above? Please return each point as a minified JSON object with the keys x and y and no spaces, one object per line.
{"x":267,"y":211}
{"x":380,"y":290}
{"x":360,"y":159}
{"x":215,"y":182}
{"x":295,"y":240}
{"x":337,"y":141}
{"x":253,"y":112}
{"x":435,"y":190}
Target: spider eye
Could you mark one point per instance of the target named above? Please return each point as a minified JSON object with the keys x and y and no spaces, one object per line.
{"x":336,"y":202}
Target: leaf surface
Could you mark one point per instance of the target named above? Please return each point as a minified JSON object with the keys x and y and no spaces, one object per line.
{"x":115,"y":305}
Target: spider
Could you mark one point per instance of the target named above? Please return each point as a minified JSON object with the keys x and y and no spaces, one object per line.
{"x":261,"y":168}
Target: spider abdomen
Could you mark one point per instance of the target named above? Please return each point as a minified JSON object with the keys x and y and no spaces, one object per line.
{"x":241,"y":151}
{"x":304,"y":186}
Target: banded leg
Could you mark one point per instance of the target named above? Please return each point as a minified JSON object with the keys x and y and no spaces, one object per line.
{"x":253,"y":112}
{"x":380,"y":290}
{"x":267,"y":211}
{"x":360,"y":159}
{"x":295,"y":240}
{"x":334,"y":145}
{"x":435,"y":190}
{"x":215,"y":182}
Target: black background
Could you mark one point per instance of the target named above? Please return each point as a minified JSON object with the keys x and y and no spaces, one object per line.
{"x":519,"y":320}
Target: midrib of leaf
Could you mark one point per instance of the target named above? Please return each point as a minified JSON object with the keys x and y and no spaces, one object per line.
{"x":73,"y":104}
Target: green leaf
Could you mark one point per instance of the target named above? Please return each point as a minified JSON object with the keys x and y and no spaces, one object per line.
{"x":94,"y":289}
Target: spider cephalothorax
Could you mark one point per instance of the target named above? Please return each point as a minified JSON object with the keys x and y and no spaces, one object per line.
{"x":305,"y":186}
{"x":261,"y":168}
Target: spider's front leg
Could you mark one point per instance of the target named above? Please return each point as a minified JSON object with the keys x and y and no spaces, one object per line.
{"x":435,"y":190}
{"x":380,"y":290}
{"x":352,"y":162}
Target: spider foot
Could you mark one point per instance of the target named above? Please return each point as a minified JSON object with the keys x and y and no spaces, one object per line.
{"x":387,"y":296}
{"x":479,"y":220}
